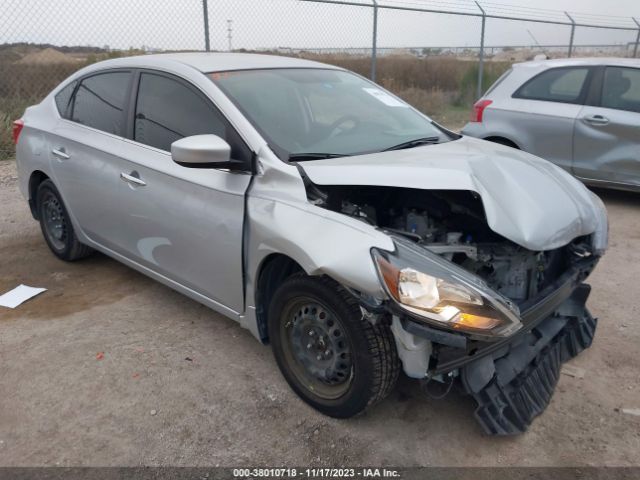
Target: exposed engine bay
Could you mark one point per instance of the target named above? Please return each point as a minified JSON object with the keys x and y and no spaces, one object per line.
{"x":504,"y":378}
{"x":452,"y":224}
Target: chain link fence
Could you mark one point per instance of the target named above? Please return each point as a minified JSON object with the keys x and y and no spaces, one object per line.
{"x":438,"y":55}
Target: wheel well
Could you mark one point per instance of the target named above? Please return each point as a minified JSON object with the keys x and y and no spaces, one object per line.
{"x":35,"y":180}
{"x":275,"y":269}
{"x":503,"y":141}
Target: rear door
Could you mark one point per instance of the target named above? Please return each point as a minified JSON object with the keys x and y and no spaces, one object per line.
{"x":607,"y":133}
{"x":545,"y":109}
{"x":83,"y":150}
{"x":183,"y":223}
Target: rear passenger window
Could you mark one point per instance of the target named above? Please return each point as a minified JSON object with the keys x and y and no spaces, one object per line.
{"x":63,"y":100}
{"x":621,"y":89}
{"x":100,"y":102}
{"x":556,"y":85}
{"x":168,"y":110}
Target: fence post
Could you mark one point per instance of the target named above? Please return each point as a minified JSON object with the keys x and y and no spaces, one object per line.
{"x":374,"y":44}
{"x":481,"y":56}
{"x":635,"y":48}
{"x":205,"y":16}
{"x":573,"y":31}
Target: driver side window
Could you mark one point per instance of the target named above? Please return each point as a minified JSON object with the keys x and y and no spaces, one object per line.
{"x":168,"y":110}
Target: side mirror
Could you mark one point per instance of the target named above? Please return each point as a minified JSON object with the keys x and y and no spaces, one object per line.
{"x":204,"y":151}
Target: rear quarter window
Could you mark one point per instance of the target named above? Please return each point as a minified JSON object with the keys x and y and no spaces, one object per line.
{"x":566,"y":85}
{"x":63,"y":100}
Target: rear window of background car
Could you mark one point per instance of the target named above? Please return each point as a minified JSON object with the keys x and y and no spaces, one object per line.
{"x":621,"y":89}
{"x":555,"y":85}
{"x":100,"y":101}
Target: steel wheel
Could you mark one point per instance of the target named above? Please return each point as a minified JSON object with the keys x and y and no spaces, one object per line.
{"x":315,"y":345}
{"x":328,"y":352}
{"x":55,"y":221}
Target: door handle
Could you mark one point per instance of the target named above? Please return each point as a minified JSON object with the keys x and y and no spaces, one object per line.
{"x":60,"y":153}
{"x":596,"y":119}
{"x":132,"y":180}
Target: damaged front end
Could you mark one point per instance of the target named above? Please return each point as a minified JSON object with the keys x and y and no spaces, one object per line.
{"x":467,"y":304}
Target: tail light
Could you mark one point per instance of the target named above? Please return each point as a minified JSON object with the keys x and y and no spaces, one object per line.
{"x":478,"y":110}
{"x":17,"y":128}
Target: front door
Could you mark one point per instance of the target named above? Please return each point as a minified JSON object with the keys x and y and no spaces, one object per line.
{"x":183,"y":223}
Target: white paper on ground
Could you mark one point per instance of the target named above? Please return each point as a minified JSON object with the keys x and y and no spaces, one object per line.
{"x":19,"y":295}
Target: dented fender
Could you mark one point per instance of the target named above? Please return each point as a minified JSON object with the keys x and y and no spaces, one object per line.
{"x":320,"y":241}
{"x":280,"y":220}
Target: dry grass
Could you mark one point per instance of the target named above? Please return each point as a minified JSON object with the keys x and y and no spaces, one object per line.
{"x":22,"y":85}
{"x":442,"y":87}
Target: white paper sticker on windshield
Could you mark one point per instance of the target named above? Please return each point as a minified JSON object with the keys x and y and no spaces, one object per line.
{"x":385,"y":98}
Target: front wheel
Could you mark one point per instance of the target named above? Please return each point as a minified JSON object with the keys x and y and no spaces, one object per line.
{"x":331,"y":356}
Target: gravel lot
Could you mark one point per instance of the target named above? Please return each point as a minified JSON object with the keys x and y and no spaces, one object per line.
{"x":178,"y":384}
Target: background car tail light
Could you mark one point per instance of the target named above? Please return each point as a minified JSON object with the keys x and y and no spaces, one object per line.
{"x":478,"y":110}
{"x":17,"y":128}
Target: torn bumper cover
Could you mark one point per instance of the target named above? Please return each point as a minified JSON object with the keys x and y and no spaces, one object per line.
{"x":512,"y":380}
{"x":515,"y":385}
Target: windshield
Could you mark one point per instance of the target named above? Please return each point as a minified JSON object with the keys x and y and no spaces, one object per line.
{"x":318,"y":113}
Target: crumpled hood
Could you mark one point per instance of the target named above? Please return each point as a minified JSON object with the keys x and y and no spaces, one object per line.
{"x":526,"y":199}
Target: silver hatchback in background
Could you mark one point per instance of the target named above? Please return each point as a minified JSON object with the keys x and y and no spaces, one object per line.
{"x":581,"y":114}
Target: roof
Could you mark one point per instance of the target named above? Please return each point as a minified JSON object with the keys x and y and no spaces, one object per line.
{"x":570,"y":62}
{"x":207,"y":62}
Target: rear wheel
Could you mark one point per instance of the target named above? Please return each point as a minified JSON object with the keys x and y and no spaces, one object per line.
{"x":56,"y":225}
{"x":332,"y":357}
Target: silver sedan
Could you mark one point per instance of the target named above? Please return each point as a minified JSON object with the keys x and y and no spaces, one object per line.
{"x":581,"y":114}
{"x":329,"y":218}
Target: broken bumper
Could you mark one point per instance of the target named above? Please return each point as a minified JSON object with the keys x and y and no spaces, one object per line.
{"x":515,"y":385}
{"x":512,"y":380}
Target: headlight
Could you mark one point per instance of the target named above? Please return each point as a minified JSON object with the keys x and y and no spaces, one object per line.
{"x":440,"y":293}
{"x":601,"y":235}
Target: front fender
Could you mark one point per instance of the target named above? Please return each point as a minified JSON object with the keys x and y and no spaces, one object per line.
{"x":319,"y":240}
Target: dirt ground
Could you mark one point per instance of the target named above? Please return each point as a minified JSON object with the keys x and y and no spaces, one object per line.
{"x":180,"y":385}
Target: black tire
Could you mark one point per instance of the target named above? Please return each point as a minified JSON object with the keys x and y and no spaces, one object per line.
{"x":373,"y":360}
{"x":60,"y":238}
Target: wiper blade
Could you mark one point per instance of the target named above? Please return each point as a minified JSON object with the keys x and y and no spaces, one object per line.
{"x":414,"y":143}
{"x":301,"y":157}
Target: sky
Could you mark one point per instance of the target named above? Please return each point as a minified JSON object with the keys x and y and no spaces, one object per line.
{"x":178,"y":24}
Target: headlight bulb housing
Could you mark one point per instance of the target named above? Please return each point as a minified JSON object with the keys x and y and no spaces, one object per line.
{"x":437,"y":292}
